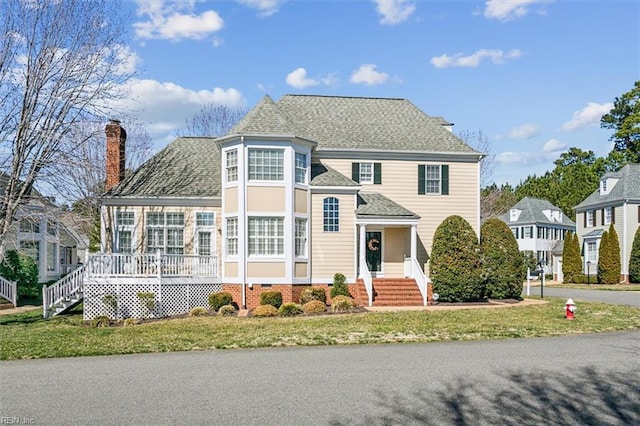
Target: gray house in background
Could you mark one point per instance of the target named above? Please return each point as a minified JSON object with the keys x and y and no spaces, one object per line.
{"x":617,"y":202}
{"x":539,"y":226}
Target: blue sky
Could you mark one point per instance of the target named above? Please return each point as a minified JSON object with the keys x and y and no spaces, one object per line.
{"x":534,"y":76}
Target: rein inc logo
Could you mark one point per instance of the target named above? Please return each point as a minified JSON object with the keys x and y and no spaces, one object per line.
{"x":16,"y":421}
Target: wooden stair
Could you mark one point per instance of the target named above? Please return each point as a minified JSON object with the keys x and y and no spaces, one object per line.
{"x":394,"y":292}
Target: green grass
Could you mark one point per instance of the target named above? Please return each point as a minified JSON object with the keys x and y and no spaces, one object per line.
{"x":27,"y":335}
{"x":608,"y":287}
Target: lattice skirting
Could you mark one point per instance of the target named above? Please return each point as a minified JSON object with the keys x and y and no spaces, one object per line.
{"x":119,"y":299}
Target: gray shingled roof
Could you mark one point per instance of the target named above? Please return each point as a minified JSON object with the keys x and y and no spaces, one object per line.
{"x":351,"y":123}
{"x":322,"y":175}
{"x":627,"y":188}
{"x":187,"y":167}
{"x":376,"y":204}
{"x":532,"y":213}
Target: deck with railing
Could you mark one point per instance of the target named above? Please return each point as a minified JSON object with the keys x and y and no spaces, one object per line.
{"x":151,"y":265}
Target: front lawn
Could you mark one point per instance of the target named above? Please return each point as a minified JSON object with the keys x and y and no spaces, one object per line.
{"x":27,"y":335}
{"x":608,"y":287}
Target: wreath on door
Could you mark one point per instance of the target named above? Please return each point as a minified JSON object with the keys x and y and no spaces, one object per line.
{"x":373,"y":244}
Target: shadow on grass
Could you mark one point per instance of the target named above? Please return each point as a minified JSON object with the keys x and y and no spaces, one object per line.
{"x":35,"y":316}
{"x":582,"y":396}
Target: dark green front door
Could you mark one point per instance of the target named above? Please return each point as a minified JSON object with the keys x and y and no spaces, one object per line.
{"x":374,"y":251}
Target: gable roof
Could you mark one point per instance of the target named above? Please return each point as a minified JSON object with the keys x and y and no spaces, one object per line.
{"x":352,"y":123}
{"x":187,"y":167}
{"x":531,"y":212}
{"x":627,"y":188}
{"x":376,"y":204}
{"x":322,"y":175}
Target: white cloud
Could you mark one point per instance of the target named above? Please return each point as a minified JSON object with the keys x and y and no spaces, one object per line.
{"x":367,"y":74}
{"x":127,"y":60}
{"x":264,"y":7}
{"x":506,"y":10}
{"x":588,"y":116}
{"x":553,"y":145}
{"x":164,"y":107}
{"x":298,"y":79}
{"x":394,"y":11}
{"x":458,"y":60}
{"x":526,"y":131}
{"x":175,"y":21}
{"x":217,"y":42}
{"x":523,"y":158}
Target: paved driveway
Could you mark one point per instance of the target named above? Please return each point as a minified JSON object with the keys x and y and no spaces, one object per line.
{"x":631,"y":298}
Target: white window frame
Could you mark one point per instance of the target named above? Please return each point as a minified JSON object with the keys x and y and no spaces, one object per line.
{"x":301,"y":167}
{"x":433,"y":183}
{"x":125,"y":223}
{"x":608,"y":215}
{"x":527,"y":232}
{"x":331,"y":214}
{"x":31,"y":248}
{"x":202,"y":227}
{"x":592,"y":252}
{"x":266,"y":164}
{"x":231,"y":236}
{"x":265,"y":236}
{"x":170,"y":228}
{"x":590,"y":218}
{"x":231,"y":160}
{"x":366,"y":173}
{"x":301,"y":233}
{"x":52,"y":256}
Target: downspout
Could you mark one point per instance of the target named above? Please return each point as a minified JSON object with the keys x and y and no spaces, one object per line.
{"x":244,"y":230}
{"x":625,"y":263}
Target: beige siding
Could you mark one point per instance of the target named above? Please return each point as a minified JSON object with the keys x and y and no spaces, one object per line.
{"x":265,"y":269}
{"x":400,"y":183}
{"x":333,"y":252}
{"x":301,"y":196}
{"x":301,"y":270}
{"x":231,"y":269}
{"x":633,"y":222}
{"x":231,"y":199}
{"x":396,"y":243}
{"x":265,"y":198}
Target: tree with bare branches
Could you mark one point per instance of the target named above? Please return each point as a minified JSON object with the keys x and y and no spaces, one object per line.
{"x":211,"y":120}
{"x":61,"y":63}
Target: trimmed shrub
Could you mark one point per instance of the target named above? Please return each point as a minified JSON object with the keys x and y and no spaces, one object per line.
{"x":314,"y":307}
{"x":101,"y":321}
{"x":609,"y":257}
{"x":265,"y":311}
{"x":290,"y":309}
{"x":580,"y":279}
{"x":313,"y":293}
{"x":147,"y":299}
{"x":227,"y":310}
{"x":219,"y":299}
{"x":501,"y":261}
{"x":571,"y":260}
{"x":634,"y":259}
{"x":198,"y":311}
{"x":24,"y":271}
{"x":273,"y":298}
{"x":340,"y":287}
{"x":342,"y":304}
{"x":454,"y":266}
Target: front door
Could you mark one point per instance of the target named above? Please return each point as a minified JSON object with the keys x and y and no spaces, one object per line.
{"x":374,"y":252}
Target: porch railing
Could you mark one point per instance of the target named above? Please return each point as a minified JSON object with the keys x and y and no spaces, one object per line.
{"x":65,"y":288}
{"x":146,"y":265}
{"x":66,"y":268}
{"x":413,"y":270}
{"x":9,"y":290}
{"x":368,"y":280}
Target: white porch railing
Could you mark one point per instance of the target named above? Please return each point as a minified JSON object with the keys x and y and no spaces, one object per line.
{"x":368,"y":280}
{"x":9,"y":290}
{"x":66,"y":268}
{"x":413,"y":270}
{"x":64,"y":289}
{"x":146,"y":265}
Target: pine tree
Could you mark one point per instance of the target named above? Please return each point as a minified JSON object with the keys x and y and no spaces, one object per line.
{"x":571,"y":262}
{"x":455,"y":262}
{"x":609,"y":258}
{"x":634,"y":259}
{"x":501,"y":261}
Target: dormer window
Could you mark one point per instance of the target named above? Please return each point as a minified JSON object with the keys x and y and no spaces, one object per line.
{"x":514,"y":214}
{"x":603,"y":187}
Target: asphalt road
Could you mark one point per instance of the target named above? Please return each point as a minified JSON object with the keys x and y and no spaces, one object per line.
{"x":631,"y":298}
{"x":584,"y":379}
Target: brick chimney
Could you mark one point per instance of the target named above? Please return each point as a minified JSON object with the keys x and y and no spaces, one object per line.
{"x":116,"y":137}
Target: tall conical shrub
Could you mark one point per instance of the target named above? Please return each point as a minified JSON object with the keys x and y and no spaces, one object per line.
{"x":609,"y":257}
{"x":501,"y":261}
{"x":634,"y":259}
{"x":571,"y":260}
{"x":454,"y":265}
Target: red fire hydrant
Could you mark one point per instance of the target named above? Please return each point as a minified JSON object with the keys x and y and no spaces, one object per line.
{"x":570,"y":309}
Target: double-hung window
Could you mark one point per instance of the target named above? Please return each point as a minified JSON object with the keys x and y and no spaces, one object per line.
{"x":232,"y":165}
{"x":165,"y":233}
{"x":367,"y":173}
{"x":433,"y":179}
{"x":589,"y":219}
{"x":592,"y":251}
{"x":266,"y":236}
{"x":205,"y":227}
{"x":331,"y":214}
{"x":607,"y":216}
{"x":266,"y":164}
{"x":301,"y":168}
{"x":301,"y":237}
{"x":125,"y":222}
{"x":29,"y":225}
{"x":232,"y":236}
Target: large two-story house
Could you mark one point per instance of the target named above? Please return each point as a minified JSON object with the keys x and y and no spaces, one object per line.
{"x":539,"y":227}
{"x":298,"y":190}
{"x":617,"y":202}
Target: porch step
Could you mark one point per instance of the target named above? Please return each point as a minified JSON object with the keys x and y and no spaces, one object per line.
{"x":394,"y":292}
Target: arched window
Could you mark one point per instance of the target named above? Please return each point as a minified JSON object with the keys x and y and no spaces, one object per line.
{"x":331,"y":213}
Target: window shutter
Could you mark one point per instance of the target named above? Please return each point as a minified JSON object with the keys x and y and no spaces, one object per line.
{"x":421,"y":182}
{"x":377,"y":173}
{"x":355,"y":172}
{"x":444,"y":171}
{"x":613,"y":214}
{"x":584,"y":217}
{"x":602,"y":217}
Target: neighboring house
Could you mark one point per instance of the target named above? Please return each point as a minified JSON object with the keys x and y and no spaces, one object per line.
{"x":39,"y":232}
{"x":617,"y":202}
{"x":539,"y":226}
{"x":298,"y":190}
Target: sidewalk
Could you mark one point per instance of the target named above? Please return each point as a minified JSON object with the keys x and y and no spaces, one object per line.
{"x":446,"y":306}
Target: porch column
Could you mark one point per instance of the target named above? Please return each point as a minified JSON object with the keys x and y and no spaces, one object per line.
{"x":414,"y":241}
{"x":363,"y":237}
